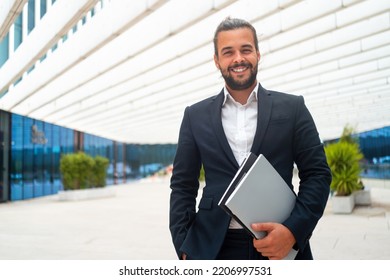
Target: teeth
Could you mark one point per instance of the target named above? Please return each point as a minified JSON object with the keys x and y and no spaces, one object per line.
{"x":238,"y":70}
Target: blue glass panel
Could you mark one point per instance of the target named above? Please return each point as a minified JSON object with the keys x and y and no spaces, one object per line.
{"x":4,"y":54}
{"x":18,"y":31}
{"x":38,"y":146}
{"x":4,"y":146}
{"x":119,"y":163}
{"x":43,"y":8}
{"x":39,"y":140}
{"x":69,"y":144}
{"x":42,"y":58}
{"x":4,"y":92}
{"x":16,"y":167}
{"x":31,"y":15}
{"x":18,"y":80}
{"x":87,"y":144}
{"x":56,"y":155}
{"x":47,"y":162}
{"x":28,"y":160}
{"x":65,"y":37}
{"x":109,"y":145}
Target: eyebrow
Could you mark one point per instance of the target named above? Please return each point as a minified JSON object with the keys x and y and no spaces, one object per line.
{"x":226,"y":49}
{"x":243,"y":46}
{"x":247,"y":45}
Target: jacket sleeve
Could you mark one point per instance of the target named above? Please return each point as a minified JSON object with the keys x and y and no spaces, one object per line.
{"x":314,"y":175}
{"x":184,"y":184}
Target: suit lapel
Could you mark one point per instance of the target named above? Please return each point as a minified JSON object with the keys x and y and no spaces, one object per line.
{"x":264,"y":106}
{"x":216,"y":119}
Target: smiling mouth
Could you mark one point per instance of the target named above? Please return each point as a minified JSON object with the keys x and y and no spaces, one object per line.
{"x":238,"y":69}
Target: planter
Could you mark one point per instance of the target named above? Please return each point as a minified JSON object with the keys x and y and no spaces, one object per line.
{"x":362,"y":197}
{"x":85,"y":194}
{"x":343,"y":204}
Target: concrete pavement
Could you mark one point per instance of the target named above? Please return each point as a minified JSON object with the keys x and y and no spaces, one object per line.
{"x":133,"y":225}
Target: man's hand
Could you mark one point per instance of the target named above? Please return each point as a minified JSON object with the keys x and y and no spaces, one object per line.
{"x":278,"y":242}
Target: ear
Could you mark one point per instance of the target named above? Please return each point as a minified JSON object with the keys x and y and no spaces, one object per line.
{"x":258,"y":56}
{"x":216,"y":62}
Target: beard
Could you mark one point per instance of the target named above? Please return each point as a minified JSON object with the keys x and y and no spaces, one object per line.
{"x":240,"y":84}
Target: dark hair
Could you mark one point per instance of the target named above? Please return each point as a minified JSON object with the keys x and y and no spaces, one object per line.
{"x":232,"y":24}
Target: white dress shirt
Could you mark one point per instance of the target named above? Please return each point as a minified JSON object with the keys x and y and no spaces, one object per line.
{"x":239,"y":124}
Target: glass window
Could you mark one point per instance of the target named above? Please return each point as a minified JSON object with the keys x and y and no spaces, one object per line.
{"x":43,"y":8}
{"x":36,"y":149}
{"x":70,"y":141}
{"x":54,"y":48}
{"x":31,"y":68}
{"x":17,"y":81}
{"x":4,"y":53}
{"x":119,"y":162}
{"x":31,"y":16}
{"x":4,"y":92}
{"x":28,"y":160}
{"x":65,"y":37}
{"x":16,"y":166}
{"x":43,"y":58}
{"x":109,"y":145}
{"x":4,"y":155}
{"x":56,"y":156}
{"x":38,"y":138}
{"x":18,"y":31}
{"x":47,"y":166}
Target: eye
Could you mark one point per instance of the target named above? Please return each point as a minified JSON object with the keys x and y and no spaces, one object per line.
{"x":226,"y":53}
{"x":247,"y":51}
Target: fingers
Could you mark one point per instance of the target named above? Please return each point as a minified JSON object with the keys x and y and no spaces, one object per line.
{"x":269,"y":251}
{"x":263,"y":226}
{"x":277,"y":243}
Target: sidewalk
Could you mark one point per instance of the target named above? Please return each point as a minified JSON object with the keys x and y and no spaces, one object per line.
{"x":362,"y":235}
{"x":133,"y":225}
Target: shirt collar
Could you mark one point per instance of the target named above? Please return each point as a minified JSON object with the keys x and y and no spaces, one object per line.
{"x":252,"y":96}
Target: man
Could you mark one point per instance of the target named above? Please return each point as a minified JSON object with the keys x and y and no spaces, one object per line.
{"x":218,"y":132}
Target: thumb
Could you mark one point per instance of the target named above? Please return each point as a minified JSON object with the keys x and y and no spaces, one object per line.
{"x":263,"y":226}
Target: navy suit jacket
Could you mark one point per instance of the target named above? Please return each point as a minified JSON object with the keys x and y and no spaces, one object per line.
{"x":286,"y":134}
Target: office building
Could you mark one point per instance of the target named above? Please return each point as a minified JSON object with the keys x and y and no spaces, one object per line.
{"x":113,"y":77}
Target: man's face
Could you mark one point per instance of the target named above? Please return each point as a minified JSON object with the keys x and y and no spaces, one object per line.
{"x":237,"y":58}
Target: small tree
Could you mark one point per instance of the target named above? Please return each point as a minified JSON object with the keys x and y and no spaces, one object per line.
{"x":344,"y":161}
{"x":76,"y":170}
{"x":99,"y":172}
{"x":348,"y":135}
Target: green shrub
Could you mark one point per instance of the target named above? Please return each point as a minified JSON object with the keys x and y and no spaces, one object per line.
{"x":99,"y":171}
{"x":343,"y":158}
{"x":81,"y":171}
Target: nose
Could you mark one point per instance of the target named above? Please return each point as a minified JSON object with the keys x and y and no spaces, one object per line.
{"x":238,"y":57}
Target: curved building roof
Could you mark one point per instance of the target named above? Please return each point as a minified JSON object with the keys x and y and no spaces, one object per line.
{"x":125,"y":70}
